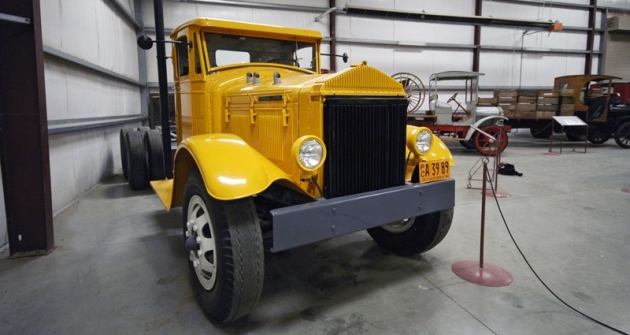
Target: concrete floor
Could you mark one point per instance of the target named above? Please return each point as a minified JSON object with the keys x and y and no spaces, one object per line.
{"x":120,"y":266}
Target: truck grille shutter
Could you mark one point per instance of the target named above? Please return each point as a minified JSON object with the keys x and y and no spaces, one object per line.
{"x":365,"y":138}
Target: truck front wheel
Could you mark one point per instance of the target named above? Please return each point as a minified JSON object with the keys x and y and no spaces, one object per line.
{"x":413,"y":235}
{"x":225,"y":252}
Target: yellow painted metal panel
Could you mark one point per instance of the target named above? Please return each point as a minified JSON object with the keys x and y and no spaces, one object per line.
{"x":231,"y":169}
{"x":164,"y":191}
{"x":250,"y":29}
{"x":361,"y":80}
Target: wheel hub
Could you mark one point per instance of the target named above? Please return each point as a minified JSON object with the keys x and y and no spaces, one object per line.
{"x":200,"y":242}
{"x":399,"y":226}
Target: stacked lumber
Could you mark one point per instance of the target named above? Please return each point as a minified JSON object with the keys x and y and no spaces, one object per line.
{"x":532,"y":104}
{"x":526,"y":107}
{"x":506,"y":99}
{"x":567,"y":103}
{"x":547,"y":104}
{"x":487,"y":101}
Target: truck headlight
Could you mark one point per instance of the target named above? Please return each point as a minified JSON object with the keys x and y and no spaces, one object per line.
{"x":309,"y":152}
{"x":419,"y":140}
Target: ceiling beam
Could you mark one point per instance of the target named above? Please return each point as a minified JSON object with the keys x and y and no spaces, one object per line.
{"x":391,"y":14}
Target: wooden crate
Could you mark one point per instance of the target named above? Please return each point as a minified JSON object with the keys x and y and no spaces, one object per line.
{"x":505,"y":100}
{"x":509,"y":114}
{"x":547,"y":108}
{"x":528,"y":93}
{"x":528,"y":99}
{"x":490,"y":101}
{"x":525,"y":115}
{"x":506,"y":93}
{"x":545,"y":115}
{"x":507,"y":107}
{"x":567,"y":110}
{"x":526,"y":107}
{"x":548,"y":100}
{"x":566,"y":92}
{"x":548,"y":94}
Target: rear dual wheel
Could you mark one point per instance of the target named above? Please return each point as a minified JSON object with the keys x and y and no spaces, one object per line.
{"x":225,"y":251}
{"x":136,"y":161}
{"x":142,"y":156}
{"x":123,"y":150}
{"x":155,"y":154}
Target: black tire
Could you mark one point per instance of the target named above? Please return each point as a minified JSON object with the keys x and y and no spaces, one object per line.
{"x":123,"y":150}
{"x":227,"y":281}
{"x":143,"y":130}
{"x":155,"y":154}
{"x":575,"y":133}
{"x":541,"y":130}
{"x":407,"y":238}
{"x":622,"y":135}
{"x":468,"y":144}
{"x":597,"y":136}
{"x":136,"y":161}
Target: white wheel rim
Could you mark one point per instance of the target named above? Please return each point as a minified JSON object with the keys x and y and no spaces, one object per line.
{"x":399,"y":226}
{"x":199,"y":226}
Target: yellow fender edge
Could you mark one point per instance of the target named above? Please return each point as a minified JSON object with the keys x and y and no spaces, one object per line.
{"x":230,"y":168}
{"x":438,"y":151}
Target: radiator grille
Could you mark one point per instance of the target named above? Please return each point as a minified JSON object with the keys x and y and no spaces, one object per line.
{"x":365,"y":140}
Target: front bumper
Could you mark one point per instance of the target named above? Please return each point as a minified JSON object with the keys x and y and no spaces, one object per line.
{"x":299,"y":225}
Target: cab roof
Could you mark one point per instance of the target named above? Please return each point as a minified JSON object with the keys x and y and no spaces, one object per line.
{"x":455,"y":75}
{"x":249,"y":29}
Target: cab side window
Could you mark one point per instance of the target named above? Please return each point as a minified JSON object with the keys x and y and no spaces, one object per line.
{"x":182,"y":56}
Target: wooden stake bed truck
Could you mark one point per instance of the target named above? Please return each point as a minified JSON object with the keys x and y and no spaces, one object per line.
{"x":270,"y":149}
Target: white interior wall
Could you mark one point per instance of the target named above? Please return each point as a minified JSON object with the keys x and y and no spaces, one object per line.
{"x":81,"y":159}
{"x":94,"y":32}
{"x":502,"y":68}
{"x":176,"y":13}
{"x":625,"y":4}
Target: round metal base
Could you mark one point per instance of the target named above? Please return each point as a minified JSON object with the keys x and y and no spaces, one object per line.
{"x":490,"y":275}
{"x":499,"y":194}
{"x":626,"y":189}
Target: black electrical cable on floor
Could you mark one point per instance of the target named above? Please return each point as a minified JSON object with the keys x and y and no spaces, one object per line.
{"x":536,"y":274}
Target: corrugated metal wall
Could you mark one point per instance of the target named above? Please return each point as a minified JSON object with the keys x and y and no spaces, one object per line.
{"x":425,"y":48}
{"x":617,"y":49}
{"x":93,"y":33}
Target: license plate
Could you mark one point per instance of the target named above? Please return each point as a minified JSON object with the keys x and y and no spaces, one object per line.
{"x":434,"y":171}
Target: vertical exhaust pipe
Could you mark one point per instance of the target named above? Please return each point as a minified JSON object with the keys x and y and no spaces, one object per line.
{"x":163,"y":89}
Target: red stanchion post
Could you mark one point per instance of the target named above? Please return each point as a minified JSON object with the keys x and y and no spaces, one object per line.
{"x":483,"y":212}
{"x":481,"y":273}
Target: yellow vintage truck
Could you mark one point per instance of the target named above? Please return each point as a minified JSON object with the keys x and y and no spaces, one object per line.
{"x":273,"y":153}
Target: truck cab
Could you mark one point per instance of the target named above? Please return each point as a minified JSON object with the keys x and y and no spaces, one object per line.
{"x":273,"y":153}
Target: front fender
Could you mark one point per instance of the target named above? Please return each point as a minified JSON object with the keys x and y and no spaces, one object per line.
{"x":438,"y":150}
{"x":486,"y":121}
{"x":230,"y":168}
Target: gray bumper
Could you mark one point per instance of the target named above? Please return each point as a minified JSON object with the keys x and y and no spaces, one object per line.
{"x":317,"y":221}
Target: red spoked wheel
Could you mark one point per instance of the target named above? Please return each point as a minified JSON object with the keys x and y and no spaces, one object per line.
{"x":487,"y":146}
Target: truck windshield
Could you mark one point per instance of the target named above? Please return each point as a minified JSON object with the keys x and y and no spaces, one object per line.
{"x":231,"y":49}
